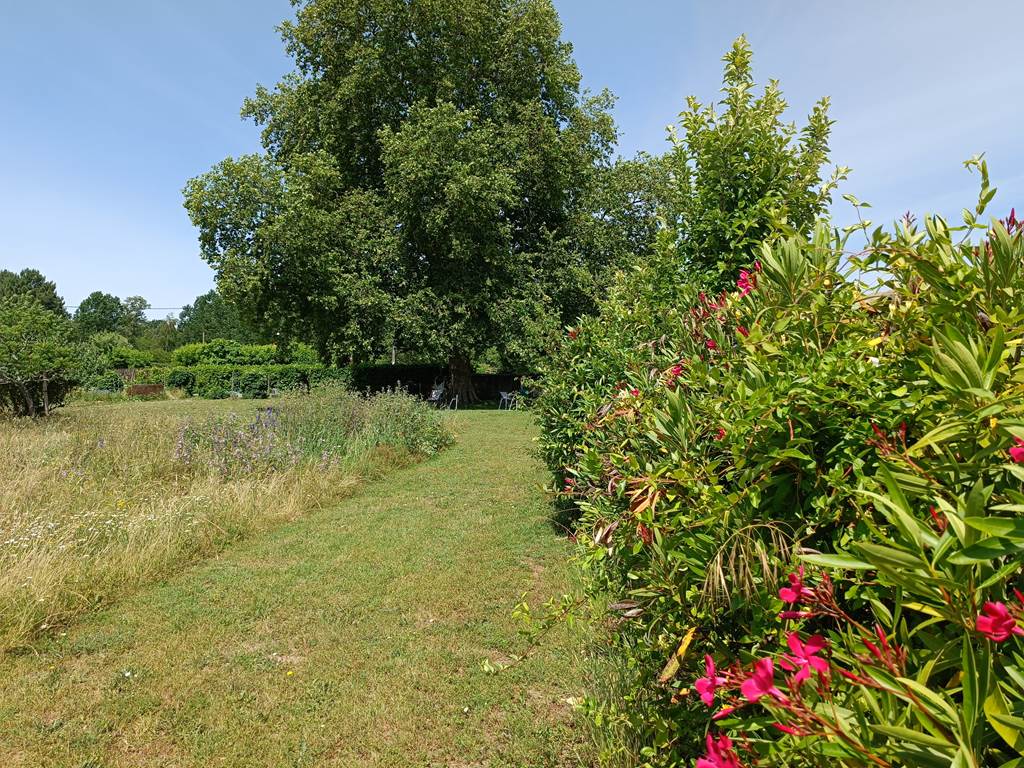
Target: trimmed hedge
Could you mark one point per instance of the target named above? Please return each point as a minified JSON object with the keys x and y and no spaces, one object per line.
{"x":252,"y":381}
{"x":227,"y":352}
{"x":420,"y":379}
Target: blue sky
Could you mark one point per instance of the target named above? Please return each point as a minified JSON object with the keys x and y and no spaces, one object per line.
{"x":107,"y":107}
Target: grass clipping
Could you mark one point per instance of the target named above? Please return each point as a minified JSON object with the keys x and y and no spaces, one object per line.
{"x":104,"y":497}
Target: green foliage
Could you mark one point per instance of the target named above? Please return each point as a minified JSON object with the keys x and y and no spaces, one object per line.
{"x":103,"y":313}
{"x":431,"y":179}
{"x":860,"y":405}
{"x":128,"y":357}
{"x":297,"y":352}
{"x":325,"y":426}
{"x":221,"y":380}
{"x":31,"y":282}
{"x":107,"y":381}
{"x":98,"y":313}
{"x":158,"y":337}
{"x":38,"y":361}
{"x":741,"y":175}
{"x":132,"y":321}
{"x":211,"y":316}
{"x":225,"y":352}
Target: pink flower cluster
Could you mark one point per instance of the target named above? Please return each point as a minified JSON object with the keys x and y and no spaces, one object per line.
{"x":671,"y":376}
{"x":1017,"y":451}
{"x":804,"y":659}
{"x":720,"y":753}
{"x":796,"y":591}
{"x":1012,"y":223}
{"x":746,"y":282}
{"x":998,"y":622}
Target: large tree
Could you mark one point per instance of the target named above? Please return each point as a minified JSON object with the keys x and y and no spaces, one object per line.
{"x":104,"y":313}
{"x":427,"y":181}
{"x":98,"y":313}
{"x":133,"y":321}
{"x":211,"y":316}
{"x":32,"y":282}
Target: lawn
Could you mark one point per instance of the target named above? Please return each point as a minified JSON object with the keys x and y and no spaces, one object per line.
{"x":352,"y":636}
{"x":102,"y":498}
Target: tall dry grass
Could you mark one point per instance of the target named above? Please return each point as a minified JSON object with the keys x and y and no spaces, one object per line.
{"x":101,"y":498}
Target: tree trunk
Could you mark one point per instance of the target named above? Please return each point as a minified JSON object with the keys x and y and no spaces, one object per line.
{"x":460,"y":371}
{"x":30,"y":408}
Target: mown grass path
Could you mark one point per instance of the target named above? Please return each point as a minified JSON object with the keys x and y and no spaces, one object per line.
{"x":352,"y":637}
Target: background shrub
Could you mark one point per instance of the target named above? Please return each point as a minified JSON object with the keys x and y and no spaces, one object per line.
{"x":227,"y":352}
{"x":250,"y":381}
{"x":127,"y":357}
{"x":108,"y":381}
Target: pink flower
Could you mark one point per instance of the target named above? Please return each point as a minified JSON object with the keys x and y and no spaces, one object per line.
{"x":996,"y":623}
{"x":706,"y":685}
{"x":634,"y":391}
{"x":1017,"y":452}
{"x":795,"y":615}
{"x":804,"y":657}
{"x":747,"y":282}
{"x":788,"y":729}
{"x":796,"y":591}
{"x":742,"y":331}
{"x":720,"y":753}
{"x":761,"y":682}
{"x":711,"y":344}
{"x":720,"y":434}
{"x":940,"y":521}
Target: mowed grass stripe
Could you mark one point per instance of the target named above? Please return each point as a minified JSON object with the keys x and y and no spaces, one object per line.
{"x":352,"y":637}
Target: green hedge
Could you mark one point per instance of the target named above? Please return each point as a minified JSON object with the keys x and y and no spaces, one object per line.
{"x":227,"y":352}
{"x":252,"y":381}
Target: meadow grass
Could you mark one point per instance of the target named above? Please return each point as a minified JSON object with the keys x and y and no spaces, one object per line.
{"x":103,"y":497}
{"x":353,"y":636}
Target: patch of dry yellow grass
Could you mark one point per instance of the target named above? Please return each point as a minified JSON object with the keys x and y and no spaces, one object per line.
{"x":93,"y":503}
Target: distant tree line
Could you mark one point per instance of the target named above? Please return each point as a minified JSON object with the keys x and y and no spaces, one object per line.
{"x":45,"y":349}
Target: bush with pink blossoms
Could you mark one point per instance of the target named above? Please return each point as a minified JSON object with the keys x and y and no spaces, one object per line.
{"x":811,"y":510}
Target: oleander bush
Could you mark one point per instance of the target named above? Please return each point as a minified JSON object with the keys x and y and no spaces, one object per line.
{"x":799,"y":501}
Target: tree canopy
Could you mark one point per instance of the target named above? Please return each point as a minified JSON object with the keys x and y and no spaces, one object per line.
{"x":98,"y":313}
{"x":103,"y":313}
{"x":32,"y":282}
{"x":428,"y":179}
{"x":37,"y":357}
{"x":210,"y":317}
